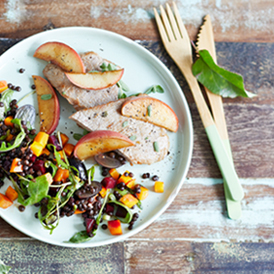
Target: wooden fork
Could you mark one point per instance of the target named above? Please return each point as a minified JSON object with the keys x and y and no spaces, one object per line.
{"x":178,"y":46}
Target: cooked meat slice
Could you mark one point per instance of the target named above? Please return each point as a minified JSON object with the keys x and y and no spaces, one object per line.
{"x":78,"y":97}
{"x":144,"y":135}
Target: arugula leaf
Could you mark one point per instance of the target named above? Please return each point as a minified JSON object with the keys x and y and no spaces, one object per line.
{"x":6,"y":99}
{"x":154,"y":88}
{"x":217,"y":79}
{"x":79,"y":237}
{"x":4,"y":269}
{"x":37,"y":190}
{"x":18,"y":140}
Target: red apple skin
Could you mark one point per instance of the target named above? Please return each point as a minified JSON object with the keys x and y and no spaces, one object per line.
{"x":95,"y":80}
{"x":49,"y":110}
{"x":61,"y":55}
{"x":100,"y":141}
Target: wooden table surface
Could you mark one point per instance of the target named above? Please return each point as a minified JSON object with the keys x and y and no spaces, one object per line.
{"x":194,"y":235}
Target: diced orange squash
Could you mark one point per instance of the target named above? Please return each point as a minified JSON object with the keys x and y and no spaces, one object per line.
{"x":15,"y":166}
{"x":61,"y":153}
{"x":64,"y":138}
{"x":3,"y":85}
{"x":49,"y":178}
{"x":8,"y":122}
{"x":115,"y":227}
{"x":46,"y":151}
{"x":114,"y":173}
{"x":11,"y":193}
{"x":124,"y":178}
{"x":159,"y":187}
{"x":143,"y":194}
{"x":41,"y":138}
{"x":68,"y":148}
{"x":61,"y":175}
{"x":103,"y":192}
{"x":129,"y":200}
{"x":36,"y":148}
{"x":130,"y":184}
{"x":9,"y":138}
{"x":5,"y":202}
{"x":77,"y":211}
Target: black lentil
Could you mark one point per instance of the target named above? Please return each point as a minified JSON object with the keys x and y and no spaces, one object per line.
{"x":21,"y":208}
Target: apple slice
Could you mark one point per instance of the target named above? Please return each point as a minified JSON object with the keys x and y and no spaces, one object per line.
{"x":61,"y":55}
{"x":100,"y":141}
{"x":95,"y":80}
{"x":48,"y":104}
{"x":151,"y":110}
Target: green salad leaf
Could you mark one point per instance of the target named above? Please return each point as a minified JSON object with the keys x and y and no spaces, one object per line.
{"x":79,"y":237}
{"x":18,"y":140}
{"x":36,"y":190}
{"x":217,"y":79}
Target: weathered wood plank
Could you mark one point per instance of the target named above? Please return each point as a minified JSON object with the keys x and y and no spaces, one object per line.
{"x":233,"y":21}
{"x":170,"y":256}
{"x":199,"y":213}
{"x":30,"y":256}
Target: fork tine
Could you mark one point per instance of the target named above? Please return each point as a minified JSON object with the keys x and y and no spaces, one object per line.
{"x":160,"y":27}
{"x":167,"y":24}
{"x":173,"y":22}
{"x":180,"y":22}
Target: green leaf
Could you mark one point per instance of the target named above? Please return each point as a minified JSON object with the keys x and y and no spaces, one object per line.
{"x":18,"y":140}
{"x":46,"y":96}
{"x":37,"y":190}
{"x":4,"y":269}
{"x":121,"y":84}
{"x":121,"y":95}
{"x":133,"y":137}
{"x":79,"y":237}
{"x":154,"y":88}
{"x":125,"y":123}
{"x":156,"y":146}
{"x":217,"y":79}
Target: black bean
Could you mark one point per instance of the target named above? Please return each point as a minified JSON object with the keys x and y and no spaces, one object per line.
{"x":145,"y":175}
{"x":104,"y":226}
{"x":36,"y":215}
{"x":21,"y":208}
{"x":130,"y":227}
{"x":21,"y":70}
{"x":1,"y":104}
{"x":131,"y":174}
{"x":33,"y":86}
{"x":155,"y":178}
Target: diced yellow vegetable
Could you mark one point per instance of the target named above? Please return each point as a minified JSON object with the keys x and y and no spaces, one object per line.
{"x":159,"y":187}
{"x":129,"y":200}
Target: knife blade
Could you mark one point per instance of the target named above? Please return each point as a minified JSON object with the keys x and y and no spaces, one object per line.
{"x":205,"y":40}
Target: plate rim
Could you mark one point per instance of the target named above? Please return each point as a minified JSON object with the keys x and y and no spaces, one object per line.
{"x":189,"y":150}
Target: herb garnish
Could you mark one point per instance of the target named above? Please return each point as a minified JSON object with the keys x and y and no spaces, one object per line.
{"x":46,"y":96}
{"x":149,"y":109}
{"x":217,"y":79}
{"x":121,"y":84}
{"x":154,"y":88}
{"x":156,"y":146}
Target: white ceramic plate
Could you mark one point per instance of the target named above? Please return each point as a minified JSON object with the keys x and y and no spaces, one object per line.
{"x":142,"y":70}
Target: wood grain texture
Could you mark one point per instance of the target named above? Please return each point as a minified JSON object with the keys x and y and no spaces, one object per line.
{"x":250,"y":21}
{"x":30,"y":256}
{"x":167,"y":256}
